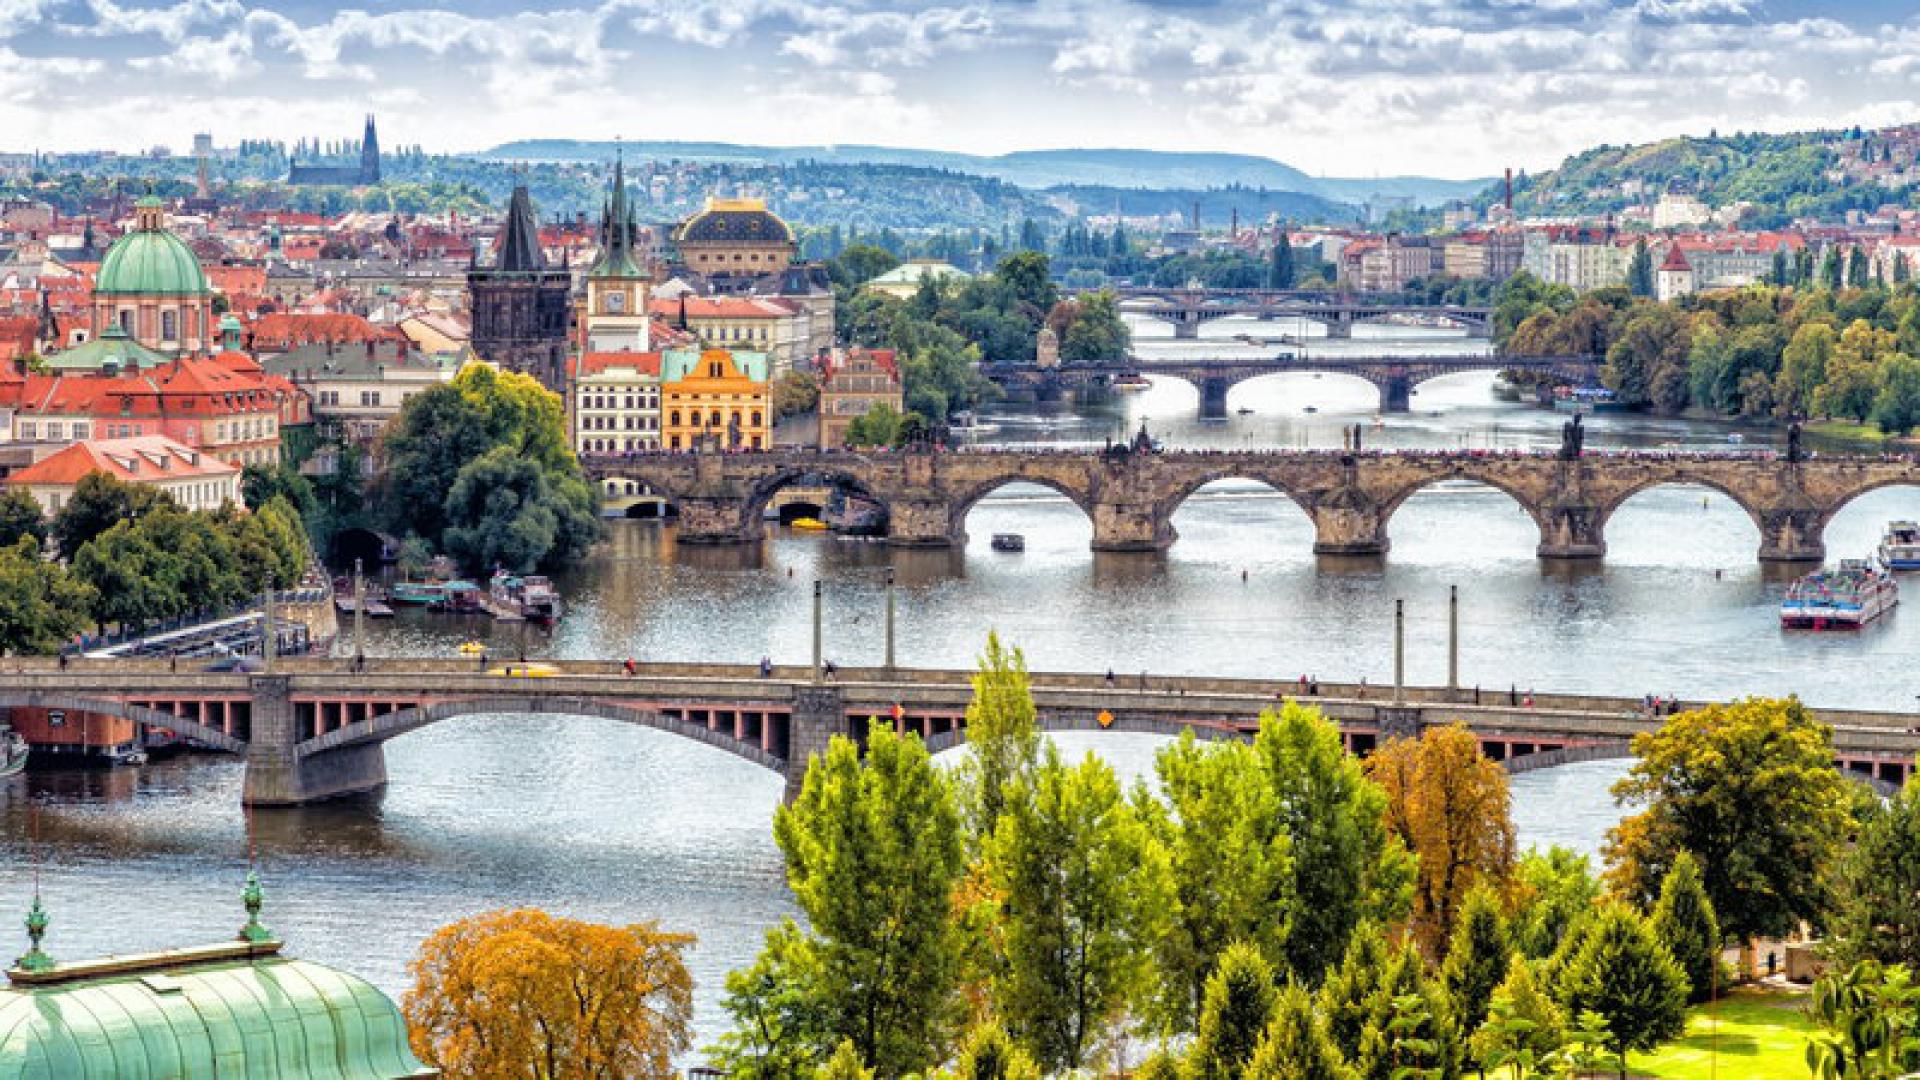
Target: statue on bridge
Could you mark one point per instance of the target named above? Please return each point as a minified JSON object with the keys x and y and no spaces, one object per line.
{"x":1795,"y":454}
{"x":1573,"y":439}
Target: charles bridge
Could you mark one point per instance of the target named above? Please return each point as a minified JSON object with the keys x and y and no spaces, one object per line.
{"x":1131,"y":494}
{"x":311,"y":729}
{"x":1395,"y":376}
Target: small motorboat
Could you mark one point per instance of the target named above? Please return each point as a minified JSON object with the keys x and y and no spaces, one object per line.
{"x":1244,"y":411}
{"x":807,"y":524}
{"x":13,"y":752}
{"x":1311,"y":409}
{"x":472,"y":648}
{"x":1009,"y":542}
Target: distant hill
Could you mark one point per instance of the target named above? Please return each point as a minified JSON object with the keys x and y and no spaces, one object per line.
{"x":1150,"y":170}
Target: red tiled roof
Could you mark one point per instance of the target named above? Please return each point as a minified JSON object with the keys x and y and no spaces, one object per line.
{"x":593,"y":363}
{"x":142,"y":459}
{"x":283,"y":331}
{"x":723,"y":307}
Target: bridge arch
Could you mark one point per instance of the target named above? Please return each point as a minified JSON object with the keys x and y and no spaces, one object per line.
{"x":1191,"y":486}
{"x":1681,"y":476}
{"x":1624,"y":500}
{"x":1621,"y":749}
{"x":139,"y":714}
{"x":1853,"y":495}
{"x":826,"y":476}
{"x":962,"y":505}
{"x":1466,"y":471}
{"x":381,"y":729}
{"x":1052,"y":720}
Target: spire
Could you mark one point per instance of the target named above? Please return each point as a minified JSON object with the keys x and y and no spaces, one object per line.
{"x":616,"y":231}
{"x":520,"y":238}
{"x":253,"y":897}
{"x":37,"y":920}
{"x":370,"y":154}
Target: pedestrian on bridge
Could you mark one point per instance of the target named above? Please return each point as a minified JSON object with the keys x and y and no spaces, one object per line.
{"x":766,"y":667}
{"x":628,"y":667}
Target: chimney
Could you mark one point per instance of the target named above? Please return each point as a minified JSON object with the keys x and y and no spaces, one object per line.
{"x":1509,"y":200}
{"x":1196,"y":215}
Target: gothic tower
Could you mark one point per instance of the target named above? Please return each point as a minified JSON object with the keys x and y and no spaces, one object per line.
{"x":616,"y":314}
{"x":522,"y":308}
{"x":370,"y":155}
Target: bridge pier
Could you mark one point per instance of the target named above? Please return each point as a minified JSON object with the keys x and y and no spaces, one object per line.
{"x":1571,"y":532}
{"x":278,"y":776}
{"x":1340,"y":328}
{"x":818,"y":715}
{"x":924,"y":523}
{"x":1792,"y":536}
{"x":1213,"y":397}
{"x":1186,"y":329}
{"x":1348,"y":529}
{"x":714,"y":520}
{"x":1131,"y":526}
{"x":1396,"y":394}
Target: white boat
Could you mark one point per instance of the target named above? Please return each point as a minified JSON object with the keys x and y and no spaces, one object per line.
{"x":13,"y":752}
{"x":1900,"y":546}
{"x":1130,"y":383}
{"x":1844,"y":599}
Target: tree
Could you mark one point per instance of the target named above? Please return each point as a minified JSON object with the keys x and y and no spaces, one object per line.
{"x":525,"y":994}
{"x":1803,"y":366}
{"x":20,"y":516}
{"x":1280,"y":273}
{"x":845,"y":1064}
{"x":1296,"y":1045}
{"x":1640,"y":270}
{"x":1683,"y":919}
{"x":504,"y":510}
{"x":1235,"y":1012}
{"x":1523,"y":1025}
{"x":795,"y":392}
{"x":1232,"y":866}
{"x":1896,"y":405}
{"x":1451,"y":806}
{"x":989,"y":1054}
{"x":1555,"y":890}
{"x":1876,"y":909}
{"x":42,"y":605}
{"x":1096,"y":334}
{"x":1003,"y":736}
{"x":1346,"y":997}
{"x":1346,"y":865}
{"x":1028,"y":280}
{"x":1627,"y":976}
{"x":779,"y":1015}
{"x":1477,"y":958}
{"x":1868,"y":1018}
{"x":261,"y":484}
{"x":1084,"y":891}
{"x":1750,"y":789}
{"x":100,"y":501}
{"x":1831,"y":269}
{"x":874,"y":852}
{"x":861,"y":263}
{"x":1411,"y":1030}
{"x":1858,"y":274}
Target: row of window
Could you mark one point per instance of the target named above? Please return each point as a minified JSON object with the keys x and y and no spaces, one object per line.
{"x":169,"y":323}
{"x":648,"y":400}
{"x":259,"y":427}
{"x":734,"y":333}
{"x":632,"y":423}
{"x":733,"y":418}
{"x":369,"y":399}
{"x":54,"y":431}
{"x":674,"y":442}
{"x":612,"y":446}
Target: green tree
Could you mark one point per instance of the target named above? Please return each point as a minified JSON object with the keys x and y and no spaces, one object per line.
{"x":1654,"y":339}
{"x":1876,"y":909}
{"x":1346,"y":866}
{"x":1859,"y":276}
{"x":505,"y":510}
{"x":99,"y":502}
{"x":861,"y":263}
{"x":20,"y":517}
{"x":1555,"y":891}
{"x":1296,"y":1045}
{"x":132,"y":580}
{"x":1869,"y":1020}
{"x":874,"y":852}
{"x":1477,"y":958}
{"x":1232,"y":866}
{"x":1411,"y":1029}
{"x":1750,"y":789}
{"x":845,"y":1064}
{"x":1896,"y":404}
{"x":1280,"y":271}
{"x":880,"y":425}
{"x":1684,"y":920}
{"x":1347,"y":995}
{"x":1523,"y":1025}
{"x":780,"y":1015}
{"x":1027,"y":277}
{"x":1003,"y":737}
{"x":795,"y":392}
{"x":42,"y":605}
{"x":1085,"y":891}
{"x":1640,"y":269}
{"x":1096,"y":335}
{"x":1623,"y":973}
{"x":989,"y":1054}
{"x":1831,"y":269}
{"x":1236,"y":1010}
{"x":261,"y":484}
{"x":1803,"y":366}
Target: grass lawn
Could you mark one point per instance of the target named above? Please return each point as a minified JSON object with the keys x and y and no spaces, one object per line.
{"x":1762,"y":1036}
{"x":1848,"y":430}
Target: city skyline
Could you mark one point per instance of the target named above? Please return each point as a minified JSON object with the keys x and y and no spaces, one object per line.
{"x":1452,"y":88}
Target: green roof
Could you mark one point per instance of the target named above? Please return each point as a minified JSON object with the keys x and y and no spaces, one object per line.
{"x":150,"y":262}
{"x":112,"y":348}
{"x":234,"y":1010}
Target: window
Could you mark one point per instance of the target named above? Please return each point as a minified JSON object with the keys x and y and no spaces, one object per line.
{"x":53,"y":431}
{"x":126,"y":320}
{"x":82,"y":431}
{"x":673,"y":419}
{"x":29,"y":430}
{"x":329,"y":397}
{"x":756,"y":418}
{"x":370,"y":398}
{"x":169,"y":325}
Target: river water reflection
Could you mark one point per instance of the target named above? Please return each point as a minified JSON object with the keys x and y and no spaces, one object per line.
{"x":601,"y":821}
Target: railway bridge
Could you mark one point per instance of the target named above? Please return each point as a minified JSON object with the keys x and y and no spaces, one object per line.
{"x":314,"y":729}
{"x":1131,"y":495}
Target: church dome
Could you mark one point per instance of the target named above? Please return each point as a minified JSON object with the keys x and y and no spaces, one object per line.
{"x":150,"y":261}
{"x":735,"y":221}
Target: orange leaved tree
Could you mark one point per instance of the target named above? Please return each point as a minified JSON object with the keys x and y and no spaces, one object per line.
{"x":508,"y":995}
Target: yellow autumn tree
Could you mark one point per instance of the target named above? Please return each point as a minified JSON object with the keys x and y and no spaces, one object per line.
{"x":523,"y":995}
{"x":1451,"y":805}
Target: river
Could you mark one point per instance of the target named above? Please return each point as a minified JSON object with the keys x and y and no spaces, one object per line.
{"x":611,"y":823}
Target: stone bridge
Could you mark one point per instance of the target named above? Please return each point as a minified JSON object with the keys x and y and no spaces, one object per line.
{"x":314,"y":729}
{"x":1187,"y":310}
{"x":1396,"y":377}
{"x":1131,"y":496}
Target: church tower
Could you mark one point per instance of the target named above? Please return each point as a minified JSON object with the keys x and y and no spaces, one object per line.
{"x":616,"y":286}
{"x":370,"y":155}
{"x":522,"y":308}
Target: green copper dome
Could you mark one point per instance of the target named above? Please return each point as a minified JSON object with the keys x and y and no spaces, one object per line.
{"x":150,"y":261}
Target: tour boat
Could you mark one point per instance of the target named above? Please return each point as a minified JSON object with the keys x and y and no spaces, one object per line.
{"x":1009,"y":542}
{"x":1130,"y":383}
{"x":458,"y":597}
{"x":1900,"y":546}
{"x":417,"y":592}
{"x":1844,"y":599}
{"x":529,"y":596}
{"x":13,"y":752}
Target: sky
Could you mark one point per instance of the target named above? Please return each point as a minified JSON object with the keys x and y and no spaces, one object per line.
{"x":1451,"y":88}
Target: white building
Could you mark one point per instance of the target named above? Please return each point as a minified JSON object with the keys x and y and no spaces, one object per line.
{"x":196,"y":480}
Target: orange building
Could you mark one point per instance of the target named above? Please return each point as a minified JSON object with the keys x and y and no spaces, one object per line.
{"x":718,"y":394}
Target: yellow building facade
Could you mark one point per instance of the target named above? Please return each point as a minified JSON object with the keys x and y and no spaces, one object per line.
{"x":715,"y":394}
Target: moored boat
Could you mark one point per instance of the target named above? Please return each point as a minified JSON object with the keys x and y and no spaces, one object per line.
{"x":1009,"y":542}
{"x":1132,"y":382}
{"x":1900,"y":546}
{"x":417,"y":592}
{"x":1844,"y":599}
{"x":13,"y":752}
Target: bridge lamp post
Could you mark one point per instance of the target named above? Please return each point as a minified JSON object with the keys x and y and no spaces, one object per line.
{"x":816,"y":629}
{"x":1453,"y":637}
{"x":1399,"y":652}
{"x":359,"y":616}
{"x":890,"y":606}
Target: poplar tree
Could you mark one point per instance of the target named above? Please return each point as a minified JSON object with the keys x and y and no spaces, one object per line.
{"x":1684,"y":921}
{"x":1003,"y":736}
{"x":1084,"y":892}
{"x":1477,"y":958}
{"x":1239,"y":1006}
{"x":1640,"y":269}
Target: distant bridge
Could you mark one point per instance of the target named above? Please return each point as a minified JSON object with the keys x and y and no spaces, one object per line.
{"x":1187,"y":309}
{"x":314,"y":729}
{"x":1396,"y":377}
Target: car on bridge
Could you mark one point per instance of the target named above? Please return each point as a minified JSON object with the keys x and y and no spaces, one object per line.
{"x":526,"y":671}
